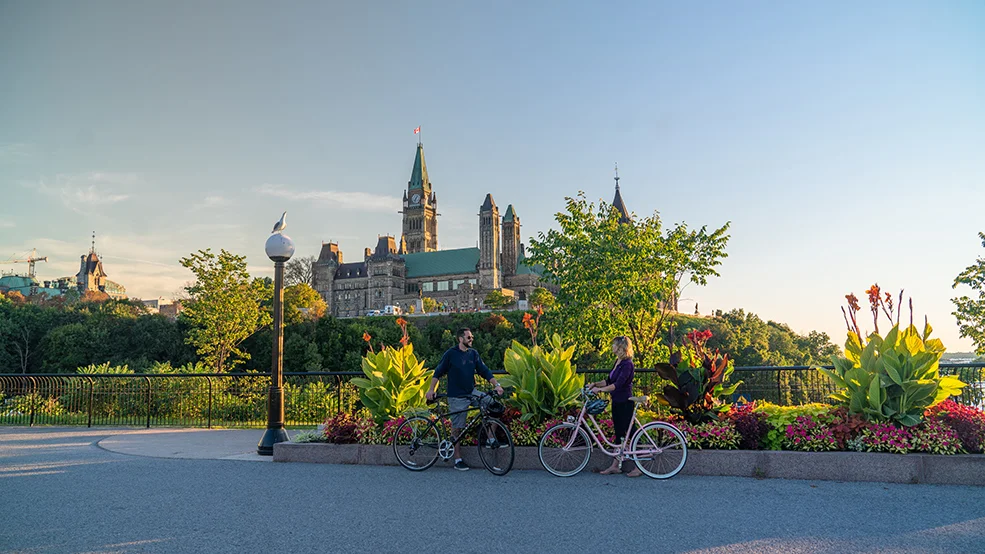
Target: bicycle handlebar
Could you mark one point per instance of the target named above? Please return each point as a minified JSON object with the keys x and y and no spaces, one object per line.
{"x":506,"y":392}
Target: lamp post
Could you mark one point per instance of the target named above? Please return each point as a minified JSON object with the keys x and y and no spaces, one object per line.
{"x":279,"y":248}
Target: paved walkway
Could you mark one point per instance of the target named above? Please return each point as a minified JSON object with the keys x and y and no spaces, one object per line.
{"x":113,"y":490}
{"x":199,"y":444}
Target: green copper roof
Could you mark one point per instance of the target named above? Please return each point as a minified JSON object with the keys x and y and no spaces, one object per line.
{"x":419,"y":175}
{"x":523,"y":269}
{"x":442,"y":262}
{"x":510,"y":214}
{"x":23,"y":284}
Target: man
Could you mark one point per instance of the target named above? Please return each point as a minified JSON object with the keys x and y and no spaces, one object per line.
{"x":461,"y":363}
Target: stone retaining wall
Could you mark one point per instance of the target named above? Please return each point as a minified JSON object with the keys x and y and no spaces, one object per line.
{"x":967,"y":469}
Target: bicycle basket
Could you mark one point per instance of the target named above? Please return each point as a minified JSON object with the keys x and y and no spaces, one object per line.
{"x":597,"y":406}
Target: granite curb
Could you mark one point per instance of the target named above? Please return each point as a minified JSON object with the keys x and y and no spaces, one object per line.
{"x":961,"y":469}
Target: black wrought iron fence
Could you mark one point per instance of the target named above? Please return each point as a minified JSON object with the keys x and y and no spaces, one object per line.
{"x":240,"y":400}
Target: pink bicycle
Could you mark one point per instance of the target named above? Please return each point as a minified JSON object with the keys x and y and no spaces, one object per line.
{"x":658,"y":448}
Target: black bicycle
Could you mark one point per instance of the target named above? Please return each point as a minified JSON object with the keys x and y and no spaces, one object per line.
{"x":421,"y":439}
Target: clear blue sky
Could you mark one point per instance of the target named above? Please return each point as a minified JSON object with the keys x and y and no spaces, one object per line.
{"x":845,"y":141}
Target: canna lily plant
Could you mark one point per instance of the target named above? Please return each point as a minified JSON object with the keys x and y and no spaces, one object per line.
{"x":396,"y":381}
{"x":544,"y":379}
{"x":697,"y":378}
{"x":893,"y":378}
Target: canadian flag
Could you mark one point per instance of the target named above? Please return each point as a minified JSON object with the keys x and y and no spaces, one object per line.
{"x":418,"y":130}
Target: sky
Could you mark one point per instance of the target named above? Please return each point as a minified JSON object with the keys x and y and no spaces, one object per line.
{"x":844,"y":141}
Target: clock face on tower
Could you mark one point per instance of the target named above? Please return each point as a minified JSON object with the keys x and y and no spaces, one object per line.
{"x":416,"y":199}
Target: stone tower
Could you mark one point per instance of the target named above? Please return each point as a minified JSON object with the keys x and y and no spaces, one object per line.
{"x":489,"y":254}
{"x":511,"y":241}
{"x":323,"y":271}
{"x":385,"y":269}
{"x":420,"y":209}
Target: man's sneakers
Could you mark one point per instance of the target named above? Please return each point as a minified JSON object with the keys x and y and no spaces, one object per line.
{"x":493,"y":443}
{"x":460,"y":465}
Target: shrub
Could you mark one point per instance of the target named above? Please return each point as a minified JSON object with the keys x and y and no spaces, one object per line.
{"x":934,"y":437}
{"x":968,"y":422}
{"x":697,"y":378}
{"x":780,"y":417}
{"x":309,"y":436}
{"x":881,"y":437}
{"x":895,"y":378}
{"x":845,"y":426}
{"x":809,"y":434}
{"x":395,"y":382}
{"x":544,"y":379}
{"x":751,"y":425}
{"x":718,"y":435}
{"x":345,"y":428}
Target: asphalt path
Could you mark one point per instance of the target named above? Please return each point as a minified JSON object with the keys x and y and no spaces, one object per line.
{"x":61,"y":492}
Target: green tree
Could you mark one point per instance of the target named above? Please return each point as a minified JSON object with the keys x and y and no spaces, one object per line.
{"x":970,"y":312}
{"x":541,"y":297}
{"x":617,"y":278}
{"x":301,"y":302}
{"x":23,"y":328}
{"x":496,"y":300}
{"x":225,"y":307}
{"x":430,"y":304}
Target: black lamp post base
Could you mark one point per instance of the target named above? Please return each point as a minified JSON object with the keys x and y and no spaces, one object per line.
{"x":271,"y":437}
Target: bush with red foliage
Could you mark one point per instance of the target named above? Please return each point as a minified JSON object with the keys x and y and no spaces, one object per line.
{"x":750,"y":424}
{"x":347,"y":429}
{"x":967,"y":421}
{"x":846,"y":426}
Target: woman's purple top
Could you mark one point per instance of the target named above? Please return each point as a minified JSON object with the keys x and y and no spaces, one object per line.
{"x":622,"y":377}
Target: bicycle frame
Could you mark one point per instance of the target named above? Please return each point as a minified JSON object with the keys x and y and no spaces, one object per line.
{"x":439,"y":416}
{"x":599,"y":437}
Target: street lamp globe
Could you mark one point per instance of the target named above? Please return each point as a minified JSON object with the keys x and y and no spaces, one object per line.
{"x":279,"y":247}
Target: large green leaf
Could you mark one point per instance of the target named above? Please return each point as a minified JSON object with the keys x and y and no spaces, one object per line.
{"x":875,"y":395}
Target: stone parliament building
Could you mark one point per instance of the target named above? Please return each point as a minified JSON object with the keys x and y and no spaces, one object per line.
{"x":402,"y":274}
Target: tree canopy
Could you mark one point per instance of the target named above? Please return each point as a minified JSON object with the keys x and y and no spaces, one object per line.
{"x":622,"y":279}
{"x":226,"y":307}
{"x":969,"y":311}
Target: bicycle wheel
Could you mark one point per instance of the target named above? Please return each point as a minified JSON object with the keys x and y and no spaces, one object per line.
{"x":415,"y":443}
{"x":660,"y":450}
{"x":496,"y":447}
{"x":557,"y":456}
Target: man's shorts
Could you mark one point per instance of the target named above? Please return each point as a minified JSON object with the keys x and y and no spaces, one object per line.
{"x":459,"y":403}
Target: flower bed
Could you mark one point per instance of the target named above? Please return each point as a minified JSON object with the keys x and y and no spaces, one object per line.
{"x":949,"y":428}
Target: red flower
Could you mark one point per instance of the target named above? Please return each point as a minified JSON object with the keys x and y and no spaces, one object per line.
{"x":874,"y":294}
{"x":366,"y":337}
{"x":401,"y":321}
{"x":527,"y":320}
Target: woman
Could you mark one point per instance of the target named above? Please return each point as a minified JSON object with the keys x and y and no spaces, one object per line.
{"x":620,"y":384}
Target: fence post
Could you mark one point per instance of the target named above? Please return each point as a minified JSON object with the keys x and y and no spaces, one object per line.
{"x":779,"y":393}
{"x":339,"y":392}
{"x":33,"y":397}
{"x":148,"y":401}
{"x":209,"y":379}
{"x":92,"y":386}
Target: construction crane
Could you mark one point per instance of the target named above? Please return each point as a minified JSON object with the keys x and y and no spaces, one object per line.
{"x":30,"y":261}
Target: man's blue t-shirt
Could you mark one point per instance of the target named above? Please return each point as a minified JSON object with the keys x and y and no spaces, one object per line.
{"x":461,"y":368}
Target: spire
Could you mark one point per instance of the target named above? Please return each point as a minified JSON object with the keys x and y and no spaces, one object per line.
{"x":92,"y":249}
{"x":617,"y":202}
{"x":419,"y":175}
{"x":488,"y":203}
{"x":510,"y":214}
